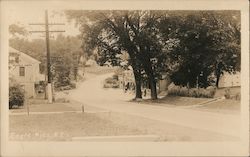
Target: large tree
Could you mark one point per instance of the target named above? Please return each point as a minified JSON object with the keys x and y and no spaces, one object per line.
{"x":207,"y":43}
{"x":65,"y":52}
{"x":17,"y":30}
{"x":112,"y":33}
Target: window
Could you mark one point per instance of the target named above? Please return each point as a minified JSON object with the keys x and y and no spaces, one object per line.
{"x":21,"y":71}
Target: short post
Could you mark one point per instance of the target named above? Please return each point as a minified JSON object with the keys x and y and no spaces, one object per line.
{"x":27,"y":104}
{"x":26,"y":101}
{"x":28,"y":109}
{"x":82,"y":108}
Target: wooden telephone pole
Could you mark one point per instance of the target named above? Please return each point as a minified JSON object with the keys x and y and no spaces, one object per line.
{"x":47,"y":32}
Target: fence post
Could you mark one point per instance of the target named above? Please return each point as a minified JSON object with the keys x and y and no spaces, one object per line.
{"x":82,"y":108}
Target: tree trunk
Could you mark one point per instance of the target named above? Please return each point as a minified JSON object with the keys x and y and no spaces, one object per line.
{"x":151,"y":80}
{"x":137,"y":76}
{"x":218,"y":72}
{"x":217,"y":80}
{"x":138,"y":93}
{"x":152,"y":83}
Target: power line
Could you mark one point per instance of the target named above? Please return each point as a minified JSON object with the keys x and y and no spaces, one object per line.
{"x":48,"y":24}
{"x":47,"y":31}
{"x":44,"y":31}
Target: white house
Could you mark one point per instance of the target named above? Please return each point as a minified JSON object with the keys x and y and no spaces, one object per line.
{"x":24,"y":70}
{"x":230,"y":80}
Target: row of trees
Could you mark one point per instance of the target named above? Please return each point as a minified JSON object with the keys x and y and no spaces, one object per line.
{"x":187,"y":45}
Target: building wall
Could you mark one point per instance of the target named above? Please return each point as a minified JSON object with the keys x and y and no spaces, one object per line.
{"x":29,"y":89}
{"x":163,"y":85}
{"x":230,"y":80}
{"x":28,"y":80}
{"x":31,"y":73}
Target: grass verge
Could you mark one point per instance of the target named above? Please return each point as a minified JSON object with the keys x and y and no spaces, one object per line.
{"x":63,"y":127}
{"x":175,"y":101}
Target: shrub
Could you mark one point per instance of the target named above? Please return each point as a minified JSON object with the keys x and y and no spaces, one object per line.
{"x":72,"y":85}
{"x":211,"y":90}
{"x":65,"y":88}
{"x":16,"y":96}
{"x":201,"y":93}
{"x":237,"y":97}
{"x":192,"y":92}
{"x":183,"y":91}
{"x":173,"y":89}
{"x":227,"y":93}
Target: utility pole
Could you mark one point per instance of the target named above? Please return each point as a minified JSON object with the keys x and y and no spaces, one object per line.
{"x":49,"y":85}
{"x":47,"y":32}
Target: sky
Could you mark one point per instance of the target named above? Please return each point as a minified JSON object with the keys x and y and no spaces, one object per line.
{"x":24,"y":17}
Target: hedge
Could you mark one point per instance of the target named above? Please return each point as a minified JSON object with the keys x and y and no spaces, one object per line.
{"x":191,"y":92}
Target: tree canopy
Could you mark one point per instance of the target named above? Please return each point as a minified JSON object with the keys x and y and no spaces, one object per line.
{"x":112,"y":33}
{"x":193,"y":47}
{"x":208,"y":43}
{"x":15,"y":29}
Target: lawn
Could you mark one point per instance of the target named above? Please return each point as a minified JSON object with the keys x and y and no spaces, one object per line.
{"x":227,"y":105}
{"x":55,"y":107}
{"x":175,"y":101}
{"x":221,"y":91}
{"x":223,"y":106}
{"x":166,"y":131}
{"x":63,"y":127}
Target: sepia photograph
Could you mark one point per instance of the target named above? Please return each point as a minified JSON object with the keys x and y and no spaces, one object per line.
{"x":114,"y":75}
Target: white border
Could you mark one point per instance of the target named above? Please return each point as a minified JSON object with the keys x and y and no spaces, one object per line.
{"x":125,"y":148}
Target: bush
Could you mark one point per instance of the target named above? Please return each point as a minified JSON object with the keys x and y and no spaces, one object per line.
{"x":173,"y":89}
{"x":192,"y":92}
{"x":227,"y":93}
{"x":237,"y":97}
{"x":211,"y":90}
{"x":16,"y":96}
{"x":65,"y":88}
{"x":183,"y":91}
{"x":72,"y":85}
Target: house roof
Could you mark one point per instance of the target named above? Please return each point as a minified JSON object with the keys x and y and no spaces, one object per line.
{"x":24,"y":56}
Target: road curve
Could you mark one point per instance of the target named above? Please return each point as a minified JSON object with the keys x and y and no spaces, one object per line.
{"x":90,"y":92}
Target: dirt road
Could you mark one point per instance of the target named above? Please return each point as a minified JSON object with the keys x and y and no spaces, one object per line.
{"x":91,"y":93}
